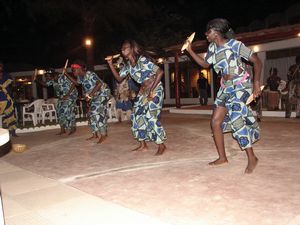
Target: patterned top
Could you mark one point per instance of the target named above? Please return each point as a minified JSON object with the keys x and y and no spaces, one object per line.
{"x":90,"y":80}
{"x":227,"y":59}
{"x":142,"y":71}
{"x":62,"y":86}
{"x":5,"y":81}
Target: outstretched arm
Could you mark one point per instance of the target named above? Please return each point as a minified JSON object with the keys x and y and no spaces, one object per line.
{"x":114,"y":71}
{"x":198,"y":59}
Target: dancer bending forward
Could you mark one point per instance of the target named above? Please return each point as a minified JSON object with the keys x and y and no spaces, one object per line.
{"x":145,"y":119}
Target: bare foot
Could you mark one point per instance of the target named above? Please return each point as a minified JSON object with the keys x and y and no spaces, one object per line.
{"x":161,"y":149}
{"x":251,"y":165}
{"x":218,"y":162}
{"x":101,"y":139}
{"x":141,"y":148}
{"x":72,"y":131}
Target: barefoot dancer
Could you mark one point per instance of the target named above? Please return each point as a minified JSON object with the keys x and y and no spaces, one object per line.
{"x":97,"y":94}
{"x":67,"y":94}
{"x":146,"y":124}
{"x":230,"y":111}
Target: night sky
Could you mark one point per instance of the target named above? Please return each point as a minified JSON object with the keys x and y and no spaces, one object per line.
{"x":41,"y":33}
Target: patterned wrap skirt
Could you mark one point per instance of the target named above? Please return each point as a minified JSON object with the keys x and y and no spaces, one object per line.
{"x":97,"y":114}
{"x":124,"y":105}
{"x":7,"y":109}
{"x":66,"y":113}
{"x":239,"y":119}
{"x":146,"y":125}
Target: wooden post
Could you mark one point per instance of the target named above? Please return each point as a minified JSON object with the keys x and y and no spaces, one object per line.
{"x":177,"y":82}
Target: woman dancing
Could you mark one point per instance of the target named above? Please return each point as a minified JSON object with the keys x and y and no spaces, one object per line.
{"x":231,"y":114}
{"x":146,"y":125}
{"x":97,"y":94}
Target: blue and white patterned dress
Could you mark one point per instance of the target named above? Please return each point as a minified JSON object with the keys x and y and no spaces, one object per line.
{"x":98,"y":105}
{"x":146,"y":125}
{"x":233,"y":94}
{"x":65,"y":108}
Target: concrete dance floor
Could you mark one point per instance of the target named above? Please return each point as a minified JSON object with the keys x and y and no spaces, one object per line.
{"x":66,"y":180}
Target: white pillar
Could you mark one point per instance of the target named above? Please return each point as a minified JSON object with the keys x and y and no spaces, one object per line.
{"x":262,"y":56}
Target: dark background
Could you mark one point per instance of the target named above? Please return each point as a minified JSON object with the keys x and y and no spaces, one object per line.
{"x":40,"y":33}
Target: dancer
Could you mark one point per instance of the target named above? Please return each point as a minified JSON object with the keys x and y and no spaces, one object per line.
{"x":97,"y":94}
{"x":67,"y":95}
{"x":231,"y":114}
{"x":146,"y":124}
{"x":7,"y":108}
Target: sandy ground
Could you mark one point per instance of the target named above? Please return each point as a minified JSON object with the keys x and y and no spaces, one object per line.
{"x":178,"y":187}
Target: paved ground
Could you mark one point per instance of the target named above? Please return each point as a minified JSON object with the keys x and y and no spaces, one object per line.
{"x":70,"y":181}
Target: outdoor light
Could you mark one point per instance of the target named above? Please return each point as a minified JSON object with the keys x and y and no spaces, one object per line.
{"x":88,"y":42}
{"x":160,"y":60}
{"x":255,"y":48}
{"x":41,"y":72}
{"x":298,"y":34}
{"x":204,"y":71}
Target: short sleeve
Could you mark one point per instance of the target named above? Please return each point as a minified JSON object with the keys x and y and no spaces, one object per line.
{"x":95,"y":78}
{"x":124,"y":71}
{"x":241,"y":50}
{"x":147,"y":65}
{"x":210,"y":54}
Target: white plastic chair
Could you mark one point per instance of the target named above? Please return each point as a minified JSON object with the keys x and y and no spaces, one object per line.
{"x":52,"y":101}
{"x":33,"y":111}
{"x":79,"y":110}
{"x":48,"y":112}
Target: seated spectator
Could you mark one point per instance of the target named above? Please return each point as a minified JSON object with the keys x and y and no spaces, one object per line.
{"x":273,"y":80}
